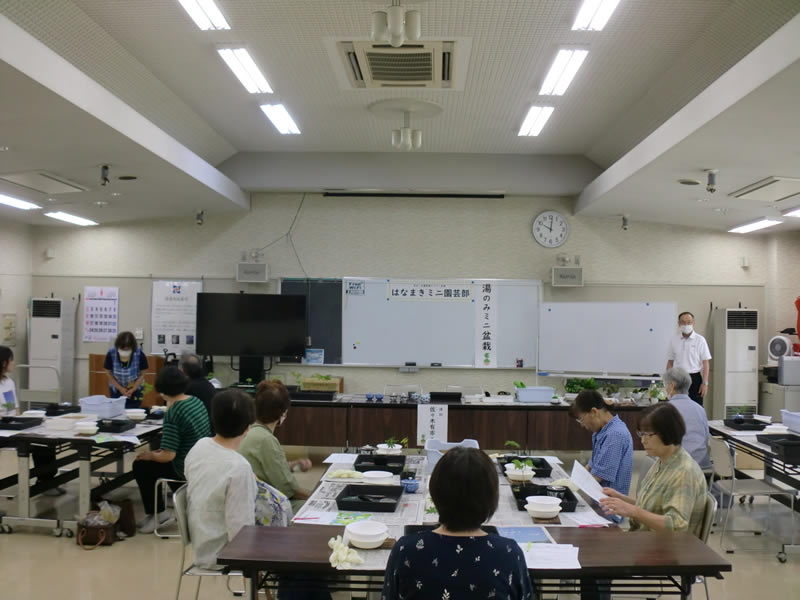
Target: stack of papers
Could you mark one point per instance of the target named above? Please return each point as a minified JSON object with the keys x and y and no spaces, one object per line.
{"x":345,"y":459}
{"x":551,"y":556}
{"x":584,"y":480}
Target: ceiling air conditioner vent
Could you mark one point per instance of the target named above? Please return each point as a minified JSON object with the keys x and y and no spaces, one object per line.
{"x":436,"y":65}
{"x":771,"y":190}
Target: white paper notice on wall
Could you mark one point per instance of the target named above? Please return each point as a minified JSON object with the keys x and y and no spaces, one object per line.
{"x":486,"y":325}
{"x":431,"y":423}
{"x":173,"y":316}
{"x":428,"y":290}
{"x":100,"y":313}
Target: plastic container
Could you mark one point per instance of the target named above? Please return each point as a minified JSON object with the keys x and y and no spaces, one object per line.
{"x":535,"y":395}
{"x":434,"y":449}
{"x":395,"y":464}
{"x":791,"y":420}
{"x":369,"y":498}
{"x":103,"y":407}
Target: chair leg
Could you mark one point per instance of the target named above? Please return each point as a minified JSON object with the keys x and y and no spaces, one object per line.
{"x":197,"y":590}
{"x":725,"y":524}
{"x":705,"y":583}
{"x":178,"y":590}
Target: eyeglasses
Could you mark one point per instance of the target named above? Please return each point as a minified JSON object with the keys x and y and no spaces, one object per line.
{"x":580,"y":419}
{"x":645,"y":434}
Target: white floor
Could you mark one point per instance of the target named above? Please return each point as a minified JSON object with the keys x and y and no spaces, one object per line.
{"x":34,"y":564}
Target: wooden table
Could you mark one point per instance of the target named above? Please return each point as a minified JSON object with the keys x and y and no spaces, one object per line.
{"x":638,"y":562}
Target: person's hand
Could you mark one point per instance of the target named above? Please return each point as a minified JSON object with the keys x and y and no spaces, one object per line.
{"x":129,"y":393}
{"x":703,"y":390}
{"x":305,"y":464}
{"x":617,"y":506}
{"x":612,"y":493}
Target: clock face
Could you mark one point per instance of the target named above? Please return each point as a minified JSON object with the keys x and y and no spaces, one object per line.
{"x":550,"y":229}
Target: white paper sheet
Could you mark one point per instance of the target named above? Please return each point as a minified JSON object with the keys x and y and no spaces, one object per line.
{"x":551,"y":556}
{"x":584,"y":480}
{"x":553,"y":460}
{"x":347,"y":459}
{"x":583,"y":518}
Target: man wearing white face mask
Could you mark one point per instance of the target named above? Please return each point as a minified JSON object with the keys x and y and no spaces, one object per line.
{"x":689,"y":351}
{"x":125,"y":365}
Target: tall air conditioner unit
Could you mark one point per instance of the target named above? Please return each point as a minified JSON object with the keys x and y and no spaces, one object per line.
{"x":735,"y":362}
{"x":51,"y":343}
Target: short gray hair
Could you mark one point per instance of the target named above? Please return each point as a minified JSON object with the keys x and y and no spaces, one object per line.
{"x":192,"y":365}
{"x":680,"y":378}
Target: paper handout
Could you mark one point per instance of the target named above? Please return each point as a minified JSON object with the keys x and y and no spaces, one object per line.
{"x":584,"y":480}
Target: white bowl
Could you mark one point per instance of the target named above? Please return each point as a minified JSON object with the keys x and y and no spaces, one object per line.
{"x":33,"y":413}
{"x":526,"y":475}
{"x":367,"y":534}
{"x":384,"y":449}
{"x":134,"y":417}
{"x":87,"y":430}
{"x":538,"y":513}
{"x":377,"y":476}
{"x":543,"y":501}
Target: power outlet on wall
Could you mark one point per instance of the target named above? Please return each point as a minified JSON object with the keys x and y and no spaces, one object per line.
{"x":138,"y":333}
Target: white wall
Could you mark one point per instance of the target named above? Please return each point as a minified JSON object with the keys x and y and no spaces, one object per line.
{"x":337,"y":237}
{"x":16,"y":266}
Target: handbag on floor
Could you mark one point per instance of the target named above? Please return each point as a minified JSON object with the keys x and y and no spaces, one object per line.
{"x":94,"y":531}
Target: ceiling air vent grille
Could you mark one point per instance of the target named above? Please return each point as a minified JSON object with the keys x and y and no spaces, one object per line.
{"x":409,"y":67}
{"x":742,"y":319}
{"x":50,"y":309}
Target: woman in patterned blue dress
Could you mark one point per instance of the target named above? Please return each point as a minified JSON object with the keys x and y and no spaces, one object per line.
{"x":458,"y":560}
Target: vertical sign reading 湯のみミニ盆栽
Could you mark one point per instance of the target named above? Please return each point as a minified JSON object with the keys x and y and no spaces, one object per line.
{"x":486,"y":325}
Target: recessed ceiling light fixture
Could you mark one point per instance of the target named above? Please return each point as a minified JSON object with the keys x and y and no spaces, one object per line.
{"x":562,"y":71}
{"x":594,"y":14}
{"x":100,"y":203}
{"x":755,"y":226}
{"x":280,"y":118}
{"x":205,"y":14}
{"x":535,"y":120}
{"x":62,"y":216}
{"x":4,"y":148}
{"x":244,"y":67}
{"x":688,"y":181}
{"x":795,"y":212}
{"x":17,"y":203}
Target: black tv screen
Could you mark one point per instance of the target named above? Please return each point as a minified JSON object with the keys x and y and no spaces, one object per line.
{"x":251,"y":325}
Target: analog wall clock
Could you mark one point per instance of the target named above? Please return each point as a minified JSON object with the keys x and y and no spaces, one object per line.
{"x":550,"y":229}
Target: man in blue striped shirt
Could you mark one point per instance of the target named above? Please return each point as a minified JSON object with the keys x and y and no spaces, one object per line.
{"x":612,"y":446}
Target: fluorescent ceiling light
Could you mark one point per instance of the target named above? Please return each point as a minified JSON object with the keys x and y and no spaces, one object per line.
{"x":205,"y":14}
{"x":561,"y":73}
{"x":594,"y":14}
{"x":795,"y":212}
{"x":535,"y":121}
{"x":762,"y":224}
{"x":17,"y":203}
{"x":62,"y":216}
{"x":244,"y":67}
{"x":280,"y":117}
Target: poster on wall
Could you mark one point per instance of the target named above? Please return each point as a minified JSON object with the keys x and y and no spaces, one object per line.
{"x":173,"y":316}
{"x":100,"y":313}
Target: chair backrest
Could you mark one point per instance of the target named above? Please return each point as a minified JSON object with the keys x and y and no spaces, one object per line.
{"x":401,"y":389}
{"x":179,"y":499}
{"x":721,"y":458}
{"x":708,"y":517}
{"x":641,"y":470}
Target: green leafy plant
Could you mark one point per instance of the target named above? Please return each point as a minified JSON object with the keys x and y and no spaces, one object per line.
{"x":9,"y":406}
{"x":391,"y":442}
{"x":431,"y":510}
{"x":512,"y":444}
{"x":210,"y":376}
{"x":611,"y":389}
{"x":519,"y":465}
{"x":575,"y":386}
{"x":321,"y":377}
{"x":298,"y":378}
{"x":146,"y":388}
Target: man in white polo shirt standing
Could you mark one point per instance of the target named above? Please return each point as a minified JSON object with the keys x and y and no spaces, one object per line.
{"x":689,"y":351}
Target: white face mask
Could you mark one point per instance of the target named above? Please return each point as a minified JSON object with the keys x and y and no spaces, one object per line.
{"x":686,"y":329}
{"x":124,"y":354}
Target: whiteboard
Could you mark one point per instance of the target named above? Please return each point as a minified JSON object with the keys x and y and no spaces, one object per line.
{"x":379,"y":329}
{"x":629,"y":338}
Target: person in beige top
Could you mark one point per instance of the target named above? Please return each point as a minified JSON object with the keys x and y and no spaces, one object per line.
{"x":263,"y":450}
{"x":671,"y":496}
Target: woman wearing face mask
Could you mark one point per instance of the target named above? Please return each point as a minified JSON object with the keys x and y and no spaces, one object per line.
{"x":263,"y":450}
{"x":125,"y":365}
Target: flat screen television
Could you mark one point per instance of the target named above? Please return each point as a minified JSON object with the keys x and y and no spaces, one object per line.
{"x":251,"y":325}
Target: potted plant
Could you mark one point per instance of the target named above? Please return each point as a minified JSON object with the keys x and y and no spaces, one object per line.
{"x":520,"y":471}
{"x":392,"y":446}
{"x":612,"y":390}
{"x":512,"y":450}
{"x":576,"y":385}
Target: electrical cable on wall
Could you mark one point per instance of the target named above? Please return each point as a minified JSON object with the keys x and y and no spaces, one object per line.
{"x":288,"y":236}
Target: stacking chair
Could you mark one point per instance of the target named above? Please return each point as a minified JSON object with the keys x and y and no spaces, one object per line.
{"x":708,"y":520}
{"x":725,"y":474}
{"x":192,"y":570}
{"x":162,"y":485}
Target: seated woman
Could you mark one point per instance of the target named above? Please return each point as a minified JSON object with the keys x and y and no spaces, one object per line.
{"x":125,"y":365}
{"x":672,"y":495}
{"x":263,"y":450}
{"x":612,"y":447}
{"x":458,"y":559}
{"x":221,"y":496}
{"x":185,"y":422}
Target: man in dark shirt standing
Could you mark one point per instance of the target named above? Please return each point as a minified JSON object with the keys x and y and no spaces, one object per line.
{"x":199,"y":386}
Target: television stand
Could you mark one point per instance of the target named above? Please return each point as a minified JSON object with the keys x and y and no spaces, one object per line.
{"x":251,"y":370}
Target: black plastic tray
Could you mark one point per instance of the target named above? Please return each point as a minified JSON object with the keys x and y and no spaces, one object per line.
{"x":16,"y":423}
{"x":388,"y":491}
{"x":541,"y":468}
{"x":58,"y":410}
{"x":786,"y":446}
{"x":312,"y":395}
{"x":394,"y":463}
{"x":746,"y":425}
{"x":115,"y":425}
{"x":409,"y":529}
{"x":568,"y":504}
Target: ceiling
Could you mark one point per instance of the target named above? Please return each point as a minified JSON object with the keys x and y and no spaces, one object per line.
{"x":71,"y":143}
{"x":652,"y":59}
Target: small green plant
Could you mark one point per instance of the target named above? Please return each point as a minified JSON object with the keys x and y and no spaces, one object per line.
{"x":210,"y":376}
{"x":249,"y":381}
{"x":321,"y":377}
{"x":611,"y":389}
{"x":146,"y":388}
{"x":575,"y":386}
{"x":298,"y":378}
{"x":511,"y":444}
{"x":9,"y":406}
{"x":519,"y":465}
{"x":431,"y":510}
{"x":392,"y":442}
